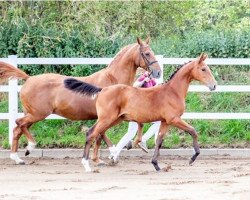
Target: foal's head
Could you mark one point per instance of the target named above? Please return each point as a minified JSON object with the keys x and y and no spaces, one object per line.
{"x":201,"y":72}
{"x":147,"y":59}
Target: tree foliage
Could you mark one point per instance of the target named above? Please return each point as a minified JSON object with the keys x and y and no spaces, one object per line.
{"x":101,"y":28}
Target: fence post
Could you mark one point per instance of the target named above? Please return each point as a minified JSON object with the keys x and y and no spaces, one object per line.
{"x":159,"y":58}
{"x":13,"y":99}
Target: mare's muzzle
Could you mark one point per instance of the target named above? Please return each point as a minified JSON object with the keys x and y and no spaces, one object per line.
{"x":156,"y":73}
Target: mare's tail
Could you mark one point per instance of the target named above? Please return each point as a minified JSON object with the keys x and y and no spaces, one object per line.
{"x":9,"y":71}
{"x":81,"y":87}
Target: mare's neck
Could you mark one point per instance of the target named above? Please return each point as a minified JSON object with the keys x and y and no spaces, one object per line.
{"x":181,"y":80}
{"x":123,"y":69}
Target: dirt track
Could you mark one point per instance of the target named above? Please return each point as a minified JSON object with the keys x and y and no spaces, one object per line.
{"x":213,"y":178}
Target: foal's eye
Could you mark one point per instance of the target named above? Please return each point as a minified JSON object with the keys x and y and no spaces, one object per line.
{"x":203,"y":69}
{"x":147,"y":54}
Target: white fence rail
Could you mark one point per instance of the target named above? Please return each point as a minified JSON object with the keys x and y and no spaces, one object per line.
{"x":13,"y":87}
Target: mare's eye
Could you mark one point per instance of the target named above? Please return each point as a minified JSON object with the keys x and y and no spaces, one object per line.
{"x":147,"y":54}
{"x":203,"y":69}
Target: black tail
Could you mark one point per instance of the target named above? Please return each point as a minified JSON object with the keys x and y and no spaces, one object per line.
{"x":81,"y":87}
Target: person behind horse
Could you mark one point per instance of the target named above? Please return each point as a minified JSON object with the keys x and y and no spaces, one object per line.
{"x":144,"y":81}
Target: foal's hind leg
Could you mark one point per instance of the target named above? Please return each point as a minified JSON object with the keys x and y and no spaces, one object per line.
{"x":99,"y":128}
{"x":179,"y":123}
{"x":98,"y":143}
{"x":92,"y":135}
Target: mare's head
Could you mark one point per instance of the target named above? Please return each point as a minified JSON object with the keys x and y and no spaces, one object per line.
{"x":147,"y":59}
{"x":201,"y":72}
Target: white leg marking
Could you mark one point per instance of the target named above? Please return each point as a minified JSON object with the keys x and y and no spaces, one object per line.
{"x":85,"y":163}
{"x":31,"y":146}
{"x":15,"y":157}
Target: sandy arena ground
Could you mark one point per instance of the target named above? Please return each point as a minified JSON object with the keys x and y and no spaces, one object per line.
{"x":212,"y":178}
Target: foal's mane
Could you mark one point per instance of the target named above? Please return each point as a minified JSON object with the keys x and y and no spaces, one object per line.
{"x":120,"y":53}
{"x":175,"y":72}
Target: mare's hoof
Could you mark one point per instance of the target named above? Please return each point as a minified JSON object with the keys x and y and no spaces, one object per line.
{"x":21,"y":163}
{"x":27,"y":153}
{"x":112,"y":162}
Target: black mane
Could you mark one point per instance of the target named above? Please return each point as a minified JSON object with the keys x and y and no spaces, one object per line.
{"x":178,"y":68}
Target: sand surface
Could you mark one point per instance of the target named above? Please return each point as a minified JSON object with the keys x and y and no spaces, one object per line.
{"x":211,"y":178}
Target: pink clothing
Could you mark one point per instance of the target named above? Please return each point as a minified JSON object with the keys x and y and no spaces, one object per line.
{"x":148,"y":84}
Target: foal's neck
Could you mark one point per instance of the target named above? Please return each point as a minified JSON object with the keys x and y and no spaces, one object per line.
{"x":124,"y":68}
{"x":181,"y":80}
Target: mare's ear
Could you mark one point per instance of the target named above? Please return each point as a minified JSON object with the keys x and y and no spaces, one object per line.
{"x":147,"y":40}
{"x":139,"y":41}
{"x":202,"y":57}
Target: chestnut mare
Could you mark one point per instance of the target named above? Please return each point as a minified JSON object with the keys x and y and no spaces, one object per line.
{"x":45,"y":94}
{"x":165,"y":103}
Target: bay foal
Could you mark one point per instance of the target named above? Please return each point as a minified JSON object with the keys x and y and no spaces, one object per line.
{"x":165,"y":103}
{"x":44,"y":94}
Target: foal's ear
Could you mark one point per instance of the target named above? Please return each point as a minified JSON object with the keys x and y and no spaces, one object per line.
{"x":139,"y":41}
{"x":202,"y":57}
{"x":147,"y":40}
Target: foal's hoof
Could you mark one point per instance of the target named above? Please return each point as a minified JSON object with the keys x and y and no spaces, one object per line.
{"x":98,"y":162}
{"x":101,"y":164}
{"x":191,"y":162}
{"x":27,"y":153}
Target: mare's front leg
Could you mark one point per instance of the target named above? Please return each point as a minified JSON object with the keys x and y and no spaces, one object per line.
{"x":179,"y":123}
{"x":163,"y":129}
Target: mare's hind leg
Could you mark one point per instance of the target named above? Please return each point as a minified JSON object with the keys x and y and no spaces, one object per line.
{"x":179,"y":123}
{"x":163,"y":129}
{"x":22,"y":127}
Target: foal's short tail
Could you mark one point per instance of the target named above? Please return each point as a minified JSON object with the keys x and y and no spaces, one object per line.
{"x":81,"y":87}
{"x":9,"y":71}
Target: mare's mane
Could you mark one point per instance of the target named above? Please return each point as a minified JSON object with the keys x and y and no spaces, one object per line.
{"x":120,"y":53}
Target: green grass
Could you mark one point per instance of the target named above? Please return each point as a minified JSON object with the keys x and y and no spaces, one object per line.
{"x":64,"y":133}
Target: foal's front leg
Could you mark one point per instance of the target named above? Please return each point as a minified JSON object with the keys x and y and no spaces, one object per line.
{"x":163,"y":129}
{"x":179,"y":123}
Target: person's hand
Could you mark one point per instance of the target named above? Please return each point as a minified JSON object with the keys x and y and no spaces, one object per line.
{"x":147,"y":79}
